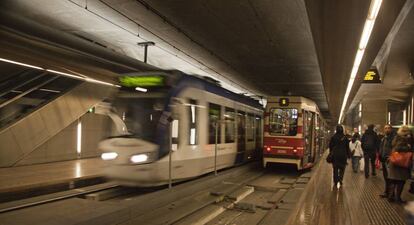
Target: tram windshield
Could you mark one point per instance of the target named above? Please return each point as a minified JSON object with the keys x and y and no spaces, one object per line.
{"x":283,"y":122}
{"x":140,"y":114}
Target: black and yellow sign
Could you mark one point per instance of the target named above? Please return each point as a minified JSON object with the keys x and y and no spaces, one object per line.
{"x":283,"y":101}
{"x":372,"y":77}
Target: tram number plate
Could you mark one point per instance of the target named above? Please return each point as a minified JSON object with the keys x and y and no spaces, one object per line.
{"x":281,"y":151}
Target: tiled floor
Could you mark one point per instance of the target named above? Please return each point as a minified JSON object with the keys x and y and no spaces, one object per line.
{"x":15,"y":178}
{"x":357,"y":202}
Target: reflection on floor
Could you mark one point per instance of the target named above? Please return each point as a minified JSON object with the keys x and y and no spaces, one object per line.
{"x":357,"y":202}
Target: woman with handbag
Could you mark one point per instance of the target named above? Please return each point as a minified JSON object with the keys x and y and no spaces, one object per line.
{"x":356,"y":151}
{"x":339,"y":153}
{"x":400,"y":163}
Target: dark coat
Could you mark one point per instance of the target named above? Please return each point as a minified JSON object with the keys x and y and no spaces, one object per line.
{"x":370,"y":137}
{"x":386,"y":146}
{"x":400,"y":144}
{"x":339,"y":148}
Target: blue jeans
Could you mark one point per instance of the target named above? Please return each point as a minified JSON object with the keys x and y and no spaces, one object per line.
{"x":355,"y":163}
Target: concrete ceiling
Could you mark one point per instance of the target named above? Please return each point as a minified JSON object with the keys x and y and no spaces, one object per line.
{"x":268,"y":43}
{"x":395,"y":62}
{"x":265,"y":47}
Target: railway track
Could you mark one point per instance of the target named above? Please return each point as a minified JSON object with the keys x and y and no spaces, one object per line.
{"x":244,"y":193}
{"x":43,"y":199}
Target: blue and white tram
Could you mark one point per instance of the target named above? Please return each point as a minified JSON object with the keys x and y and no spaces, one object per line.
{"x":161,"y":112}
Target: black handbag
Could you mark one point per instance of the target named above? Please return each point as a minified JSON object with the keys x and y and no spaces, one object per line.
{"x":329,"y":158}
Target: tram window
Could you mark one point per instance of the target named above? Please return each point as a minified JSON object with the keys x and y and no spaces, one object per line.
{"x":283,"y":122}
{"x":230,"y":130}
{"x":214,"y":112}
{"x":193,"y":116}
{"x":250,"y":127}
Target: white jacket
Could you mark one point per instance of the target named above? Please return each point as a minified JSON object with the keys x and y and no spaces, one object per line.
{"x":357,"y":147}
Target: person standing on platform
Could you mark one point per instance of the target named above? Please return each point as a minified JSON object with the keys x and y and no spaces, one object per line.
{"x":339,"y":150}
{"x":384,"y":153}
{"x":397,"y":175}
{"x":370,"y":145}
{"x":356,"y":151}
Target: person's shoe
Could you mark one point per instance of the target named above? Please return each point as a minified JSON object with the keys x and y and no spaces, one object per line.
{"x":366,"y":175}
{"x":374,"y":174}
{"x":391,"y":200}
{"x":384,"y":195}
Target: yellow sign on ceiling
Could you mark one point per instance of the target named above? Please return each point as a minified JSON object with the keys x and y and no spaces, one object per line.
{"x":370,"y":75}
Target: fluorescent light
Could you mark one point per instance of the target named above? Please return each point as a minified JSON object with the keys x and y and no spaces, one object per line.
{"x":85,"y":78}
{"x":412,"y":109}
{"x":139,"y":158}
{"x":192,"y":136}
{"x":109,"y":155}
{"x":141,"y":89}
{"x":366,"y":33}
{"x":21,"y":64}
{"x":66,"y":74}
{"x":389,"y":117}
{"x":79,"y":138}
{"x":374,"y":9}
{"x":91,"y":80}
{"x":78,"y":169}
{"x":49,"y":90}
{"x":405,"y":117}
{"x":193,"y":114}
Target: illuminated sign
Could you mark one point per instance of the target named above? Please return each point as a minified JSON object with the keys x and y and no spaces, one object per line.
{"x":372,"y":77}
{"x":283,"y":101}
{"x":141,"y":81}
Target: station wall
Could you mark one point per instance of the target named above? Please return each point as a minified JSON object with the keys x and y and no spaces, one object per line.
{"x":47,"y":134}
{"x":63,"y":146}
{"x":374,"y":112}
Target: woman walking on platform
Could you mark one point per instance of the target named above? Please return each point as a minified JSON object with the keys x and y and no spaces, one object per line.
{"x":356,"y":151}
{"x":340,"y":153}
{"x":399,"y":168}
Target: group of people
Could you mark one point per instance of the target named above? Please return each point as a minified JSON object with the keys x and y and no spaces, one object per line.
{"x":388,"y":148}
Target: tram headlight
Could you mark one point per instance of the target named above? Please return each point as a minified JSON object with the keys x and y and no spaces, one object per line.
{"x":140,"y":158}
{"x":109,"y":155}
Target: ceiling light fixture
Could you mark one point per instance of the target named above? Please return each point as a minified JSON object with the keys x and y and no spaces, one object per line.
{"x":366,"y":33}
{"x":141,"y":89}
{"x":21,"y":64}
{"x":84,"y":78}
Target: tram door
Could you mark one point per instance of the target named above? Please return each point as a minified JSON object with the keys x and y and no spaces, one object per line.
{"x":258,"y":135}
{"x":241,"y":136}
{"x":308,"y":132}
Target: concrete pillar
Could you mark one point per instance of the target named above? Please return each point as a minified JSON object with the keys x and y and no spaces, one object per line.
{"x":374,"y":112}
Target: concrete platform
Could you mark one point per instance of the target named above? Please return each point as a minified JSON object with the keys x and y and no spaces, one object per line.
{"x":356,"y":203}
{"x":58,"y":175}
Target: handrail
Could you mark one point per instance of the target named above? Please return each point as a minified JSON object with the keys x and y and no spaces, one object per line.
{"x":28,"y":91}
{"x":24,"y":83}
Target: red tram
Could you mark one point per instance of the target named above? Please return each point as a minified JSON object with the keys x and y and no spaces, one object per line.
{"x":294,"y":132}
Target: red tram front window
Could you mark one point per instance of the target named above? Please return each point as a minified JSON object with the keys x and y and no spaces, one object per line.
{"x":283,"y":122}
